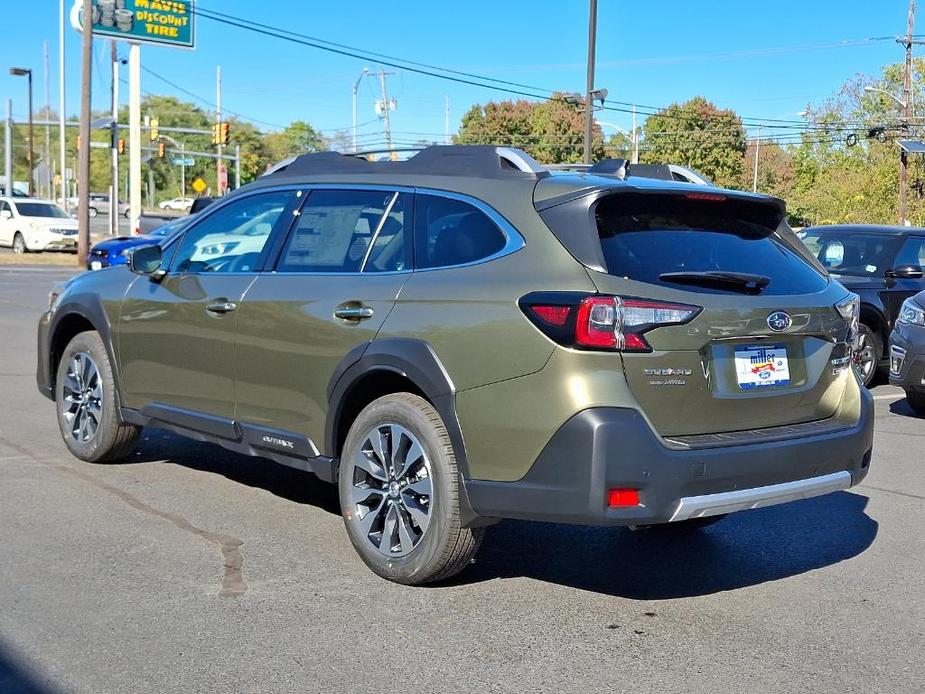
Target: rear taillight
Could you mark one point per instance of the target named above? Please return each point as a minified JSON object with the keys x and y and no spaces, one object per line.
{"x":600,"y":321}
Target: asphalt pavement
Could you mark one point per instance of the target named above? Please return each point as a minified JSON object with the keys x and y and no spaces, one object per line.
{"x":191,"y":569}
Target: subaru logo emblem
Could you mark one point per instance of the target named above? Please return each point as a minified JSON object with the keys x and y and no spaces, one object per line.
{"x":779,"y":321}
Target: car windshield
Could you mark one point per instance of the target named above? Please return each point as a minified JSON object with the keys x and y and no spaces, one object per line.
{"x":41,"y":209}
{"x":852,"y":253}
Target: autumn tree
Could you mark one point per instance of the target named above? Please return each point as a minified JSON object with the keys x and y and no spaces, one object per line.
{"x":698,"y":135}
{"x":551,"y":131}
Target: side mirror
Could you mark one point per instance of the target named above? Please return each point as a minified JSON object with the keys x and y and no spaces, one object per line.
{"x":6,"y":214}
{"x":907,"y":272}
{"x":146,"y":260}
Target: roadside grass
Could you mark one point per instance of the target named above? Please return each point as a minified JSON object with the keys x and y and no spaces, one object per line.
{"x":56,"y":259}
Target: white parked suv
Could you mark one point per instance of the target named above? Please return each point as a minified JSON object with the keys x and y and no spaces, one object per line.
{"x":181,"y":204}
{"x":34,"y":224}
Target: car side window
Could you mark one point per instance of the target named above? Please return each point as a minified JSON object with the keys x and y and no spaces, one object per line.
{"x":451,"y":232}
{"x":233,"y":238}
{"x":336,"y":232}
{"x":4,"y":207}
{"x":912,"y":252}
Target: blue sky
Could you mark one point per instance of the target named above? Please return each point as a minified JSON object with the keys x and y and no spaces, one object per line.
{"x":737,"y":54}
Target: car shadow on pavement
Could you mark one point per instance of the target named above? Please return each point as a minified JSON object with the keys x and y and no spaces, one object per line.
{"x":744,"y":549}
{"x":157,"y":445}
{"x":17,"y":678}
{"x":903,"y":408}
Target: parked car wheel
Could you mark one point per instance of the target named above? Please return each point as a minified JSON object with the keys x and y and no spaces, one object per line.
{"x":916,"y":400}
{"x":93,"y":212}
{"x":399,"y":493}
{"x":867,"y":354}
{"x":19,"y":244}
{"x":85,"y":395}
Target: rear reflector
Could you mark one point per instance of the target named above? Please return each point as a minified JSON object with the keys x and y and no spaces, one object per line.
{"x":623,"y":497}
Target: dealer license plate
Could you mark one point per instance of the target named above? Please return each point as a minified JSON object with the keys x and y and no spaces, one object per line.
{"x":758,"y":366}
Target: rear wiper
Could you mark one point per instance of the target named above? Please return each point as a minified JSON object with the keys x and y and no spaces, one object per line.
{"x":737,"y":281}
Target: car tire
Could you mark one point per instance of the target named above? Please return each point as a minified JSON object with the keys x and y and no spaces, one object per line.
{"x":916,"y":400}
{"x":406,"y":496}
{"x":19,"y":244}
{"x":868,"y":354}
{"x":87,"y":405}
{"x":93,"y":212}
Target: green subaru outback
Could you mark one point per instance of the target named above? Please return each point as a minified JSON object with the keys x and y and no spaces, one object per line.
{"x":464,"y":337}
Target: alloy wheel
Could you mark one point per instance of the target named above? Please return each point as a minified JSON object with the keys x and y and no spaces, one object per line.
{"x":82,"y":401}
{"x":865,"y":358}
{"x":391,"y":490}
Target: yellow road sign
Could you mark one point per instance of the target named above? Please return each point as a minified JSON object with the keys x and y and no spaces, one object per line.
{"x":199,"y":185}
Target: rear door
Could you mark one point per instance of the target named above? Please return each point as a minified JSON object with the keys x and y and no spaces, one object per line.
{"x":337,"y":278}
{"x":759,"y":353}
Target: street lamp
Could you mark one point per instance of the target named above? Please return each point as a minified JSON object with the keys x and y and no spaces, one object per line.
{"x":26,"y":72}
{"x":356,"y":86}
{"x":871,"y":90}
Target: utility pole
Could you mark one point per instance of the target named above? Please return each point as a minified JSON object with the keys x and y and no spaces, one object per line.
{"x":8,"y":147}
{"x":446,"y":119}
{"x":134,"y":136}
{"x":589,"y":105}
{"x":907,"y":106}
{"x":386,"y":107}
{"x":218,"y":120}
{"x":356,"y":87}
{"x":49,"y":187}
{"x":237,"y":166}
{"x":62,"y":144}
{"x":114,"y":144}
{"x":635,"y":138}
{"x":757,"y":150}
{"x":83,"y":173}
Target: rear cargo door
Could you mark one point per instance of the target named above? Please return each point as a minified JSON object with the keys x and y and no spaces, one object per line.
{"x":760,"y":352}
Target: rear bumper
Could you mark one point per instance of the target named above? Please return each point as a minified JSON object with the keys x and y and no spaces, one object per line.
{"x":607,"y":448}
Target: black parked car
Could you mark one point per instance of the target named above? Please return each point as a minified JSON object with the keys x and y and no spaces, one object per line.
{"x":884,"y":266}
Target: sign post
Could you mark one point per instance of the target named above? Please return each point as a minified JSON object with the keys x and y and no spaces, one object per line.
{"x":156,"y":22}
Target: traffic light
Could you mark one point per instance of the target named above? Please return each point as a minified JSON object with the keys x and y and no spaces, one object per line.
{"x":225,"y":129}
{"x":220,"y":133}
{"x":155,"y":133}
{"x":216,"y":134}
{"x":162,"y":149}
{"x":121,"y":145}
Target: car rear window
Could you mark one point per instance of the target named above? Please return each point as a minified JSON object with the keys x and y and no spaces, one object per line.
{"x":646,"y":236}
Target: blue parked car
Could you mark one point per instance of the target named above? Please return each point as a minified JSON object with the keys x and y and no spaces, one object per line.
{"x":115,"y":251}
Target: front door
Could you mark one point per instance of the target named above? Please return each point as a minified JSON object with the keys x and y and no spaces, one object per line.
{"x":176,"y":336}
{"x":901,"y":288}
{"x":338,"y":276}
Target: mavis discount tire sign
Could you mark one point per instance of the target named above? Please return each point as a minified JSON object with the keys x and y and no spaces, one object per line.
{"x":162,"y":22}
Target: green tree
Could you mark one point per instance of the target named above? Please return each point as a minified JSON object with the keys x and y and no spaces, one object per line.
{"x":297,"y":138}
{"x":551,"y":131}
{"x":698,"y":135}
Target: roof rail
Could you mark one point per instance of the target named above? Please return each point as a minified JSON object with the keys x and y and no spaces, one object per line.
{"x":481,"y":161}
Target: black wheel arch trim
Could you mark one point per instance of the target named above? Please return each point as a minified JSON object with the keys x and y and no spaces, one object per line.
{"x":415,"y":360}
{"x":88,"y":308}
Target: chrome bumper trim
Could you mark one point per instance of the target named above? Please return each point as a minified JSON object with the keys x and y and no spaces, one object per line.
{"x":758,"y":497}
